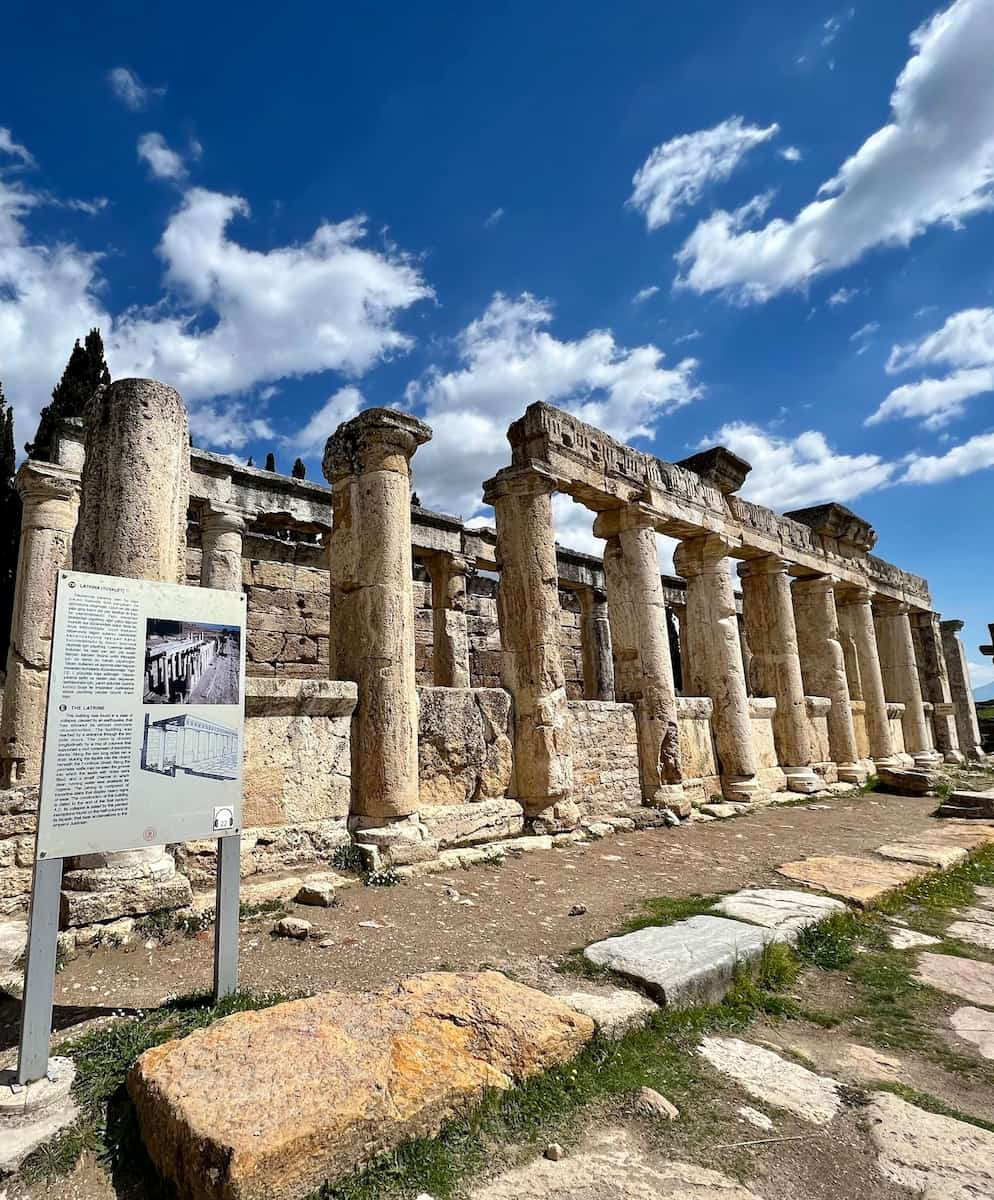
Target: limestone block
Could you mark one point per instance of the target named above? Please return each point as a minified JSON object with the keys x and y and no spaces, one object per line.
{"x":817,"y":708}
{"x":605,"y":757}
{"x":464,"y":747}
{"x":465,"y":824}
{"x":379,"y":1069}
{"x":124,"y":900}
{"x":907,"y":781}
{"x":696,"y":739}
{"x":928,"y":854}
{"x":774,"y":1080}
{"x":861,"y":880}
{"x":962,"y":977}
{"x":975,"y":1025}
{"x":975,"y":933}
{"x":615,"y":1013}
{"x":787,"y":912}
{"x":398,"y":844}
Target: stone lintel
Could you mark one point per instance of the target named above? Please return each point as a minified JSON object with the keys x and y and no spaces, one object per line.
{"x":370,"y":439}
{"x":266,"y":696}
{"x":838,"y":522}
{"x":719,"y":467}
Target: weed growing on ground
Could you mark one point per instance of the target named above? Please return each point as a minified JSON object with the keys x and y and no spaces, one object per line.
{"x":264,"y":908}
{"x":386,"y":877}
{"x":350,"y":858}
{"x":832,"y":943}
{"x":667,"y":910}
{"x":872,"y":784}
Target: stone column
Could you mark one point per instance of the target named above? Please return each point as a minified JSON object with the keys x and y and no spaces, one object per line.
{"x":768,"y":611}
{"x":532,"y":664}
{"x":367,"y":461}
{"x":934,"y":678}
{"x":641,"y":645}
{"x":713,"y":661}
{"x":964,"y":708}
{"x":823,"y":668}
{"x":221,"y":532}
{"x":132,"y":523}
{"x":900,"y":672}
{"x":49,"y":506}
{"x":595,"y":639}
{"x":448,"y":602}
{"x":855,"y":612}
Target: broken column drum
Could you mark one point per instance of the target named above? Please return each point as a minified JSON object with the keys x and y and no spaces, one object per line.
{"x":595,"y":641}
{"x":221,"y":534}
{"x":367,"y":462}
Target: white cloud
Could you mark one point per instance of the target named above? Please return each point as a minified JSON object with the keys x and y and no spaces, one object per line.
{"x":342,"y":406}
{"x":130,"y":90}
{"x":688,"y":337}
{"x":842,"y":296}
{"x":15,"y":149}
{"x":964,"y":343}
{"x":507,"y":360}
{"x":230,"y":317}
{"x":865,"y":331}
{"x":676,"y":173}
{"x":932,"y":164}
{"x":162,"y":161}
{"x":792,"y":472}
{"x":975,"y":454}
{"x":493,"y":218}
{"x":644,"y":294}
{"x":791,"y":154}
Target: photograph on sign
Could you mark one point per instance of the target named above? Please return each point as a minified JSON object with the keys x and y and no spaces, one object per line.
{"x":145,"y":724}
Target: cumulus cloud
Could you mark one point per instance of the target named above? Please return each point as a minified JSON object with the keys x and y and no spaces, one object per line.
{"x":676,"y":173}
{"x":230,"y":318}
{"x":341,"y":406}
{"x":507,"y":359}
{"x":791,"y":154}
{"x":933,"y":163}
{"x":791,"y":472}
{"x":975,"y":454}
{"x":161,"y":159}
{"x":964,"y":349}
{"x":130,"y":90}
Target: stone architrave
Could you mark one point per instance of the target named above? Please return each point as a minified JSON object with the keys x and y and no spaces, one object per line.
{"x":900,"y":672}
{"x":855,"y":613}
{"x":448,"y":602}
{"x":221,"y":533}
{"x":768,"y":612}
{"x":134,"y":497}
{"x":49,"y":504}
{"x":713,"y":660}
{"x":528,"y":613}
{"x":640,"y":642}
{"x":824,"y":670}
{"x":595,"y":639}
{"x":964,"y":709}
{"x":934,"y":678}
{"x":367,"y":461}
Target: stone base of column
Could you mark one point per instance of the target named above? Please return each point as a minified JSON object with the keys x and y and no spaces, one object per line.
{"x":126,"y":883}
{"x":802,"y":780}
{"x":743,"y":787}
{"x":561,"y":817}
{"x":855,"y":773}
{"x":927,"y":758}
{"x":672,"y":796}
{"x":393,"y":842}
{"x":953,"y":756}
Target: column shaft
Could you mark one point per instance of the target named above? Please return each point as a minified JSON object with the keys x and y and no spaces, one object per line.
{"x":713,"y":660}
{"x":855,"y":614}
{"x":448,"y":602}
{"x":768,"y":613}
{"x":824,"y":670}
{"x":644,"y":671}
{"x":961,"y":693}
{"x":367,"y":463}
{"x":900,"y":672}
{"x":532,"y":664}
{"x":49,"y":506}
{"x":595,"y":639}
{"x":934,"y":677}
{"x":221,"y":533}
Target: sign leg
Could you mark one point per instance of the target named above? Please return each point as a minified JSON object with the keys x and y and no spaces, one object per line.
{"x":39,"y":971}
{"x":226,"y":904}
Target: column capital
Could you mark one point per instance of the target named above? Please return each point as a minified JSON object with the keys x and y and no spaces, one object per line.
{"x":612,"y":522}
{"x":528,"y":480}
{"x":846,"y":594}
{"x":37,"y":481}
{"x":887,"y":607}
{"x":222,"y":518}
{"x":765,"y":564}
{"x":452,"y":562}
{"x":370,"y":441}
{"x":953,"y":626}
{"x":702,"y":555}
{"x":815,"y":583}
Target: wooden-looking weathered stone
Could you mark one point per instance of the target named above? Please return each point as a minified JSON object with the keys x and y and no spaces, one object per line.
{"x":267,"y":1105}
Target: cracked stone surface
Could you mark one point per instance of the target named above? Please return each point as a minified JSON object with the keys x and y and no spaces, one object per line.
{"x":775,"y":1080}
{"x":928,"y":854}
{"x":937,"y":1158}
{"x":975,"y":1025}
{"x":613,"y":1166}
{"x":963,"y":977}
{"x":911,"y":939}
{"x":686,"y":963}
{"x":862,"y":880}
{"x":782,"y":910}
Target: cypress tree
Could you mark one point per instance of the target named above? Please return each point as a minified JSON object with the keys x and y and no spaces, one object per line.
{"x":85,"y":371}
{"x":10,"y":525}
{"x":270,"y":461}
{"x":250,"y":461}
{"x":299,"y":471}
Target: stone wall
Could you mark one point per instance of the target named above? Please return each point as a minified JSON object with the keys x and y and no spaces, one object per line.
{"x":697,"y":751}
{"x":761,"y":712}
{"x":605,"y":757}
{"x":18,"y":819}
{"x":464,"y":745}
{"x":817,"y":710}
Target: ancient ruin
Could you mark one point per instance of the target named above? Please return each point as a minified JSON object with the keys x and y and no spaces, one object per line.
{"x":417,"y":685}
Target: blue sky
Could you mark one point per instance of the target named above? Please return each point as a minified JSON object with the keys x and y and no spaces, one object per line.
{"x":769,"y":225}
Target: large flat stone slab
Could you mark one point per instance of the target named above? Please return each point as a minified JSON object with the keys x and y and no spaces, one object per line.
{"x":690,"y":962}
{"x":614,"y":1166}
{"x":976,"y":933}
{"x":861,"y":880}
{"x":963,"y":977}
{"x":784,"y":911}
{"x":936,"y":1158}
{"x":975,"y":1025}
{"x":267,"y":1105}
{"x":777,"y":1081}
{"x":927,"y":854}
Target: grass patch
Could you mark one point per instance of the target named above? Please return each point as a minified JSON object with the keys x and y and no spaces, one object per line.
{"x":832,"y":943}
{"x":667,"y":910}
{"x":264,"y":908}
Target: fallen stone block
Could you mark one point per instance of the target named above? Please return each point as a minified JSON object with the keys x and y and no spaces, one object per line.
{"x":971,"y":805}
{"x":653,"y":1104}
{"x":479,"y":821}
{"x":927,"y":854}
{"x":976,"y":1026}
{"x":32,"y":1116}
{"x":782,"y":910}
{"x":267,"y":1105}
{"x":906,"y":781}
{"x":975,"y":933}
{"x":775,"y":1080}
{"x":126,"y":900}
{"x":720,"y":812}
{"x":690,"y":962}
{"x":615,"y":1013}
{"x":862,"y":880}
{"x":293,"y":927}
{"x":962,"y":977}
{"x":910,"y":939}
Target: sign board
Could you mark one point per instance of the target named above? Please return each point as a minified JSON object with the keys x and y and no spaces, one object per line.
{"x":143,"y":738}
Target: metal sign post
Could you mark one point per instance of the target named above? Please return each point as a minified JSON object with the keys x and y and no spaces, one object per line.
{"x":143,"y":747}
